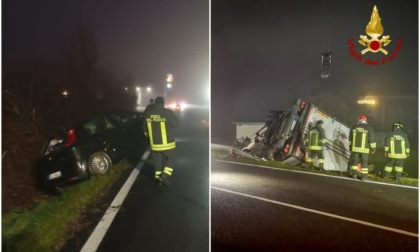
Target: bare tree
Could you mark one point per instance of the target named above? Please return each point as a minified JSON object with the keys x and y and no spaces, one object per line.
{"x":78,"y":60}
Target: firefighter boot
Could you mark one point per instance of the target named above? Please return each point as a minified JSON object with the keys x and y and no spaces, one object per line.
{"x":164,"y":180}
{"x":354,"y":174}
{"x":398,"y":176}
{"x":321,"y":166}
{"x":365,"y":177}
{"x":158,"y":174}
{"x":386,"y":175}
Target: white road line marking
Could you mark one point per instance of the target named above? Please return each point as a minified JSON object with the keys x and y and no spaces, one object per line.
{"x":98,"y":234}
{"x":313,"y":173}
{"x":319,"y":212}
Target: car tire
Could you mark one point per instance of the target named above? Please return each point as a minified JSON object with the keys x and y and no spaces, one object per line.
{"x":99,"y":163}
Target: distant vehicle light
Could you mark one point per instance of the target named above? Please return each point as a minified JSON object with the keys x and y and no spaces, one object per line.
{"x":178,"y":105}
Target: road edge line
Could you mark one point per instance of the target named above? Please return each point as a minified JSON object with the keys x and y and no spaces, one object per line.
{"x":319,"y":212}
{"x":315,"y":174}
{"x":102,"y":227}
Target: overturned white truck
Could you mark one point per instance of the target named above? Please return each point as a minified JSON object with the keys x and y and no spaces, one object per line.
{"x":282,"y":138}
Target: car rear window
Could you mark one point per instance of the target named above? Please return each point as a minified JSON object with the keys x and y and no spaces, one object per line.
{"x":123,"y":118}
{"x":98,"y":125}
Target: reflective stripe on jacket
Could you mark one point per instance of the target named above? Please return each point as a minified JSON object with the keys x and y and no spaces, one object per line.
{"x":315,"y":139}
{"x":397,"y":145}
{"x":159,"y":122}
{"x":362,"y":139}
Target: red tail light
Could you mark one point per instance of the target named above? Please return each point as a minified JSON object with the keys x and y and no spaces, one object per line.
{"x":302,"y":104}
{"x":286,"y":149}
{"x":71,"y":137}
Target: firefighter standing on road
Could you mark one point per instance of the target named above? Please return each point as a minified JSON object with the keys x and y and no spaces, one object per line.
{"x":362,"y":141}
{"x":149,"y":106}
{"x":315,"y":141}
{"x":158,"y":125}
{"x":397,"y":149}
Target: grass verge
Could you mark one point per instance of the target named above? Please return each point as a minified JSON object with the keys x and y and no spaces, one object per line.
{"x":50,"y":223}
{"x":223,"y":155}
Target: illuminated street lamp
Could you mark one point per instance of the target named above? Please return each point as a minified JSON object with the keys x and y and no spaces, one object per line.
{"x":139,"y":93}
{"x":169,"y":79}
{"x":65,"y":93}
{"x":367,"y":100}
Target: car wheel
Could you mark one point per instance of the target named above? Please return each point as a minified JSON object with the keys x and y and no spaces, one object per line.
{"x":99,"y":163}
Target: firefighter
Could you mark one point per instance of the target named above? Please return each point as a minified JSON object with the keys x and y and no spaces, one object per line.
{"x":149,"y":106}
{"x":397,"y":149}
{"x":315,"y":141}
{"x":158,"y":125}
{"x":362,"y":141}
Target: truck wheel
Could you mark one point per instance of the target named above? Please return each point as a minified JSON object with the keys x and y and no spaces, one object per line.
{"x":99,"y":163}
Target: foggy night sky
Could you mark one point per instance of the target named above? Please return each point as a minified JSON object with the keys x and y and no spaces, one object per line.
{"x":143,"y":39}
{"x":266,"y":54}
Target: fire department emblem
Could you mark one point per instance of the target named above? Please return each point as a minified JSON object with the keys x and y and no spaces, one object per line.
{"x":374,"y":29}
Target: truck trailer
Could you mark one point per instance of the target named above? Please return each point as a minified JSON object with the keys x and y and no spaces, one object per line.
{"x":282,"y":138}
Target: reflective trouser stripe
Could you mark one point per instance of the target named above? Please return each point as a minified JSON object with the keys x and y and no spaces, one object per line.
{"x":321,"y":161}
{"x":388,"y":168}
{"x":168,"y":170}
{"x":398,"y":169}
{"x":157,"y":174}
{"x":355,"y":168}
{"x":365,"y":170}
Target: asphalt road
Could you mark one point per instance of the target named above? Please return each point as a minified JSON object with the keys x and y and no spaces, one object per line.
{"x":174,"y":218}
{"x":261,"y":209}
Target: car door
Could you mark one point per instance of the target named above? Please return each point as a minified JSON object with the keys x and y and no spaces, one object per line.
{"x":130,"y":125}
{"x":107,"y":136}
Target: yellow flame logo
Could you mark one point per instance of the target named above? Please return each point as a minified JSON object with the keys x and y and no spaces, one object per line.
{"x":374,"y":29}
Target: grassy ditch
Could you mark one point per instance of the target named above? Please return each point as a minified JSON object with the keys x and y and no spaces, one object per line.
{"x":48,"y":226}
{"x":378,"y":159}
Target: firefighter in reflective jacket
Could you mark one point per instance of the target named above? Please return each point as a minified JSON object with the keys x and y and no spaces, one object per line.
{"x":315,"y":141}
{"x":362,"y":141}
{"x":397,"y":149}
{"x":158,"y":125}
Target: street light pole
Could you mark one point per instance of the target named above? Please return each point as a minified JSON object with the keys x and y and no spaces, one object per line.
{"x":138,"y":90}
{"x":169,"y":79}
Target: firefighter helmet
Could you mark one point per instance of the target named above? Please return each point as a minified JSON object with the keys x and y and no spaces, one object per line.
{"x":362,"y":119}
{"x":397,"y":125}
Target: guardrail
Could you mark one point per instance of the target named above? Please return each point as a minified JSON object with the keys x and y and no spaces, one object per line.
{"x":234,"y":151}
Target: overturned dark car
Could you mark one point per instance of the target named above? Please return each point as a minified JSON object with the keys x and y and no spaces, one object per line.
{"x":90,"y":148}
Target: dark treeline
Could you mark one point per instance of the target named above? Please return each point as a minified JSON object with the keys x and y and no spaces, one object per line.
{"x":34,"y":105}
